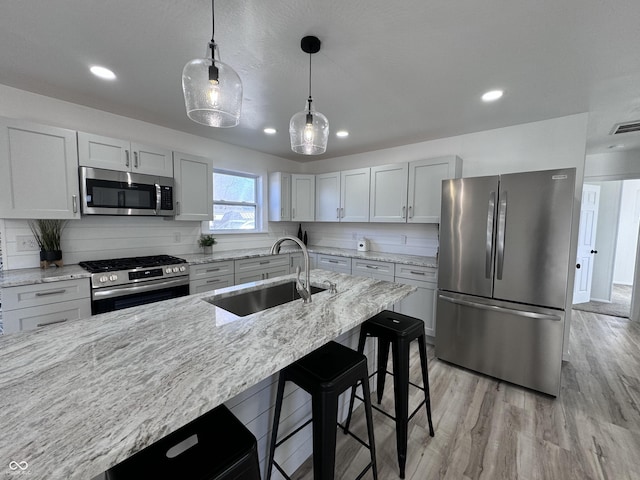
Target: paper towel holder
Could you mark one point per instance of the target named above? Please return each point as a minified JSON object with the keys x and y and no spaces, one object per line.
{"x":363,"y":245}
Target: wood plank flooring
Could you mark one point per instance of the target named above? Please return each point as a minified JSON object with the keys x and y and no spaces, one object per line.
{"x":487,"y":429}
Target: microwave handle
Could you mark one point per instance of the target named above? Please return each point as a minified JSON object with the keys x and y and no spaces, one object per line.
{"x":158,"y":198}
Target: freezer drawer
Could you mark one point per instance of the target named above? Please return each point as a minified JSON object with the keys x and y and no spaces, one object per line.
{"x":501,"y":339}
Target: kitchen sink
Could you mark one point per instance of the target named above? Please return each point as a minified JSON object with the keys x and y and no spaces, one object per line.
{"x":244,"y":304}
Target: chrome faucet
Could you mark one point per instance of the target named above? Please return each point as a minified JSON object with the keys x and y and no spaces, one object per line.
{"x":303,"y":289}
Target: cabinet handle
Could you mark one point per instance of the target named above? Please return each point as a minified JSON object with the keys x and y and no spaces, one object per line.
{"x":74,"y":201}
{"x":417,"y":273}
{"x":341,"y":212}
{"x":338,"y":212}
{"x":51,"y":323}
{"x":372,"y":266}
{"x":293,"y":213}
{"x":126,"y":152}
{"x":282,"y":213}
{"x":334,"y":261}
{"x":51,"y":292}
{"x":403,"y":211}
{"x":410,"y":211}
{"x":135,"y":159}
{"x":264,"y":262}
{"x":213,"y":281}
{"x":177,"y":208}
{"x":212,"y":270}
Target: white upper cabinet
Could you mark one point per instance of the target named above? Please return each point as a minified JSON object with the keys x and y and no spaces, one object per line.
{"x":343,"y":196}
{"x":115,"y":154}
{"x":303,"y":197}
{"x":425,"y":186}
{"x":279,"y":197}
{"x":388,"y":201}
{"x":410,"y":192}
{"x":193,"y":178}
{"x":39,"y":166}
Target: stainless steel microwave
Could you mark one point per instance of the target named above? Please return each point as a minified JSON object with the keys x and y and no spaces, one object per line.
{"x":110,"y":192}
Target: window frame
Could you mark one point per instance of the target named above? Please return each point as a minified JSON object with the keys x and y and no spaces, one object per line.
{"x":257,"y":204}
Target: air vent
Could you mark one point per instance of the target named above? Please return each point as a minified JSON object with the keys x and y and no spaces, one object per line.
{"x":626,"y":127}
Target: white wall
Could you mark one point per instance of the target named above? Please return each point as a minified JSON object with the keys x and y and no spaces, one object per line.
{"x":606,"y":239}
{"x":102,"y":237}
{"x":627,"y":233}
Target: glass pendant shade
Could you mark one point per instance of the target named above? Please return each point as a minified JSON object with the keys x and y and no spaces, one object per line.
{"x":309,"y":132}
{"x":212,"y":102}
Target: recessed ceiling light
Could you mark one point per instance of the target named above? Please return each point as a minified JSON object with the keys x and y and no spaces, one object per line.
{"x":492,"y":95}
{"x":269,"y":130}
{"x":342,"y":133}
{"x":103,"y":72}
{"x":619,"y":145}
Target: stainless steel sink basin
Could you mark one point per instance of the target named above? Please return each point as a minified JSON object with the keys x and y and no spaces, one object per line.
{"x":244,"y":304}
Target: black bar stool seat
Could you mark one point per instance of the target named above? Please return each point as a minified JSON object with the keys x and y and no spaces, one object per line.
{"x":215,"y":446}
{"x":397,"y":330}
{"x":325,"y":373}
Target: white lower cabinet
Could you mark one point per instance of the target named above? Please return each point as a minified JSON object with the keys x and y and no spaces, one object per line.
{"x":420,"y":304}
{"x":211,"y":276}
{"x":33,"y":306}
{"x":261,"y":268}
{"x":334,"y":263}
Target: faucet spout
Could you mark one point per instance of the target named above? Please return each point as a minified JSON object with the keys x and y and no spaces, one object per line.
{"x":303,"y":289}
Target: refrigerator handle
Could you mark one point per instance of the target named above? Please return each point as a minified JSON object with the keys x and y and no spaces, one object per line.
{"x":489,"y":245}
{"x":495,"y":308}
{"x":502,"y":224}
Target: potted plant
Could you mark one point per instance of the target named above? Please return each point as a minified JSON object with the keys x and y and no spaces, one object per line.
{"x":47,"y":233}
{"x":206,"y":242}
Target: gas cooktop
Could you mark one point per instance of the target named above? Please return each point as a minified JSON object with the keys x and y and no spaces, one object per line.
{"x":131,"y":263}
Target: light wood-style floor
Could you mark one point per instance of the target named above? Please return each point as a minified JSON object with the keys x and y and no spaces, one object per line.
{"x":487,"y":429}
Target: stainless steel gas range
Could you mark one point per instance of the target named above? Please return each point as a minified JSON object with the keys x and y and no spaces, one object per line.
{"x":126,"y":282}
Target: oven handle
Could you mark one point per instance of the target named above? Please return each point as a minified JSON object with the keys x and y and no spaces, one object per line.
{"x":149,"y":286}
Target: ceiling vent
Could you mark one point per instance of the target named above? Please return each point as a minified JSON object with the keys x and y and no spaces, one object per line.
{"x":626,"y":127}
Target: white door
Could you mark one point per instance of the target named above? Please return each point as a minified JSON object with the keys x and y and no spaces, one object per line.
{"x":586,"y":243}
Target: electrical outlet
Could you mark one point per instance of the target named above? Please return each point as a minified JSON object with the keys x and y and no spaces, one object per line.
{"x":176,"y":237}
{"x":26,"y":243}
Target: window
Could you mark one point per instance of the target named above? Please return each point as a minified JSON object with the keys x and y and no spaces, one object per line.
{"x":235,"y":201}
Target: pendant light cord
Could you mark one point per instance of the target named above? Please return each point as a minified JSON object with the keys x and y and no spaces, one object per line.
{"x":309,"y":100}
{"x":213,"y":23}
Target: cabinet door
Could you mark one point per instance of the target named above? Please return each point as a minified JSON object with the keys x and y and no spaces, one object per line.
{"x":328,"y":197}
{"x":194,"y":187}
{"x":103,"y":152}
{"x":425,"y":187}
{"x":39,"y":167}
{"x":388,"y":199}
{"x":303,"y":198}
{"x":354,"y":195}
{"x":46,"y":315}
{"x":151,"y":160}
{"x":420,"y":304}
{"x":279,"y":197}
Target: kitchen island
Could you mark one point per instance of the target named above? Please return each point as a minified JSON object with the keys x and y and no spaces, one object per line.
{"x":82,"y":396}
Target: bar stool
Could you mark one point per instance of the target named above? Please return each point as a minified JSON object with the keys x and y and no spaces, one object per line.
{"x":398,"y":330}
{"x":215,"y":446}
{"x":325,"y":373}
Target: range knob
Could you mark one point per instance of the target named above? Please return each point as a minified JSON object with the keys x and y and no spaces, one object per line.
{"x":167,"y":270}
{"x":103,"y":279}
{"x":113,"y":278}
{"x":175,"y":269}
{"x":182,"y":269}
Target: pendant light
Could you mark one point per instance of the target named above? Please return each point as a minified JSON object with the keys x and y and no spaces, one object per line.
{"x":212,"y":89}
{"x":308,"y":129}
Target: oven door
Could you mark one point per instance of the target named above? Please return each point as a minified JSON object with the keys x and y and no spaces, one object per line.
{"x":117,"y":298}
{"x":108,"y":192}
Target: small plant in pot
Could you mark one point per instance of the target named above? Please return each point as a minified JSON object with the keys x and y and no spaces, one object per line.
{"x":206,"y":242}
{"x":47,"y":233}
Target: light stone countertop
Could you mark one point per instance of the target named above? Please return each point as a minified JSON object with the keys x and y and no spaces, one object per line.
{"x":79,"y":397}
{"x":32,"y":276}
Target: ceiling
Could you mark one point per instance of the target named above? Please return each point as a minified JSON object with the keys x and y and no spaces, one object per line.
{"x":391,"y":73}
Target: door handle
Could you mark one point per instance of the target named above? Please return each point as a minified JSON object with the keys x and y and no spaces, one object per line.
{"x":489,"y":243}
{"x":578,"y":265}
{"x":594,"y":251}
{"x":496,"y":308}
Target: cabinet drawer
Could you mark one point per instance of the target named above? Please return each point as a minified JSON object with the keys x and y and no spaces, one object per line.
{"x":249,"y":264}
{"x":261,"y":274}
{"x":334,"y":263}
{"x":372,"y":269}
{"x":44,"y":293}
{"x":210,"y":270}
{"x":413,"y":272}
{"x":42,"y":316}
{"x":213,"y":283}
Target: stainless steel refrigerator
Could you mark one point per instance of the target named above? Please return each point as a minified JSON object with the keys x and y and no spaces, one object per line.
{"x":502,"y":275}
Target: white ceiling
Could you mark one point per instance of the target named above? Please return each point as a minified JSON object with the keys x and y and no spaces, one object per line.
{"x":390,"y":72}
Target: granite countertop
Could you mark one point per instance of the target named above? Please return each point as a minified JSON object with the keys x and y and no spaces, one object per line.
{"x":79,"y":397}
{"x":31,"y":276}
